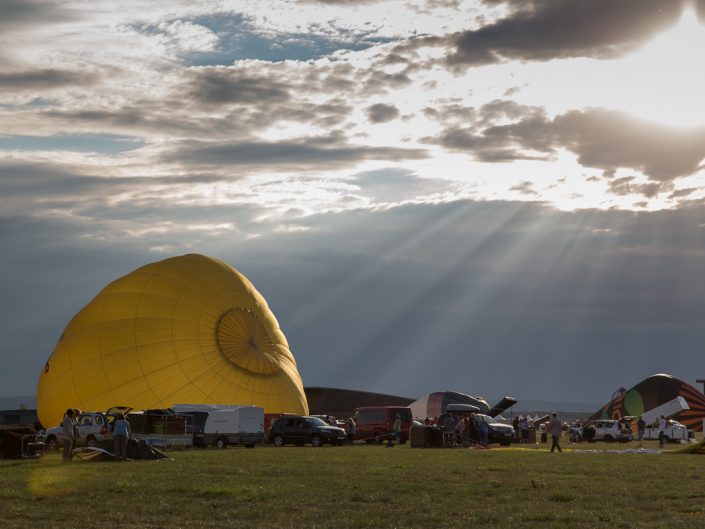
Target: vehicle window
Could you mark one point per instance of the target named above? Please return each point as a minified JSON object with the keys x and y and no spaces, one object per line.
{"x":290,"y":422}
{"x":86,"y":421}
{"x":98,"y":420}
{"x":372,"y":416}
{"x":315,"y":421}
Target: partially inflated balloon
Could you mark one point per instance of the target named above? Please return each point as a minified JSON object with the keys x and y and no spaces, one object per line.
{"x":189,"y":329}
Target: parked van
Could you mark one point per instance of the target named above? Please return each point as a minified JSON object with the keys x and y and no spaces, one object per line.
{"x":374,"y":423}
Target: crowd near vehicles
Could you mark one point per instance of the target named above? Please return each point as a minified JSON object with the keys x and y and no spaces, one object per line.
{"x":302,"y":429}
{"x":375,"y":423}
{"x":499,"y":433}
{"x":91,"y":428}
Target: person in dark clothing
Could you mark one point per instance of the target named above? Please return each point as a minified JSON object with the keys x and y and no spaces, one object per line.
{"x":640,"y":427}
{"x":555,"y":426}
{"x":68,"y":434}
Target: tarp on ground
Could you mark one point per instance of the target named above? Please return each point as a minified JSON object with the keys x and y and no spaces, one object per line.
{"x":104,"y":451}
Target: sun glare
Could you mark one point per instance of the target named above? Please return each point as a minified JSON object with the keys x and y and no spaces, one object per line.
{"x":665,"y":80}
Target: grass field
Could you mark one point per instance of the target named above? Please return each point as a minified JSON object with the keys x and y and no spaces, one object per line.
{"x":360,"y":486}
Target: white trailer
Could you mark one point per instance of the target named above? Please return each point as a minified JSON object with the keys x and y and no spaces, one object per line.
{"x":674,"y":431}
{"x":229,"y":424}
{"x":668,"y":409}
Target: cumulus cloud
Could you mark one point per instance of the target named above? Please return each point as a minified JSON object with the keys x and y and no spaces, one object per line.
{"x":381,"y":113}
{"x":601,"y":138}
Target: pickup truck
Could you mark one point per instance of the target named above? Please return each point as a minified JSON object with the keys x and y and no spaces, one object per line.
{"x":675,"y":431}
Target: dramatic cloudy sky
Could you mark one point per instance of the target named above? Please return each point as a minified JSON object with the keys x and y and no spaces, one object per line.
{"x":491,"y":196}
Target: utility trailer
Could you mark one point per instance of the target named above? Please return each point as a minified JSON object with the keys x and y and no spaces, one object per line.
{"x":675,"y":431}
{"x":227,"y":424}
{"x":19,"y":442}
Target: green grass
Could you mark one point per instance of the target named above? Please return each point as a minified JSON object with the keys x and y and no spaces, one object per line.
{"x":358,"y":487}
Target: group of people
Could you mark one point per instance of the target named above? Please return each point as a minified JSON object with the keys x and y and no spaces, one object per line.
{"x":554,"y":427}
{"x":70,"y":434}
{"x":464,"y":429}
{"x":521,"y":428}
{"x":641,"y":428}
{"x":351,"y":430}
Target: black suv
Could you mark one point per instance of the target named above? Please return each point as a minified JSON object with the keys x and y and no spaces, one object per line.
{"x":299,"y":430}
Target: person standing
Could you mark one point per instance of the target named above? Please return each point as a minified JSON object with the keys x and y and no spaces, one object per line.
{"x":460,"y":431}
{"x":396,"y":432}
{"x":351,"y":429}
{"x":661,"y":430}
{"x":524,"y":425}
{"x":515,"y":424}
{"x":68,"y":434}
{"x":484,"y":432}
{"x":121,"y":433}
{"x":640,"y":427}
{"x":555,"y":426}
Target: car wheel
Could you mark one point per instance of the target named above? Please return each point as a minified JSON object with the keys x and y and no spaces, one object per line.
{"x":221,"y":443}
{"x":316,"y":441}
{"x":278,"y":441}
{"x":51,"y":443}
{"x":90,"y":441}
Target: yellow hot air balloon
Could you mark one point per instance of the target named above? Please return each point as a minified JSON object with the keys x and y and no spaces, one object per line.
{"x":189,"y":329}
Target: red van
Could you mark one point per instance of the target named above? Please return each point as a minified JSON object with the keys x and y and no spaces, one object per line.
{"x":374,"y":423}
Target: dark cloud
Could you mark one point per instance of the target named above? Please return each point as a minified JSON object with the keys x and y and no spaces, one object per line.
{"x":45,"y":79}
{"x":36,"y":182}
{"x":627,"y":186}
{"x":682,"y":193}
{"x":380,"y":82}
{"x":219,"y":86}
{"x":20,"y":15}
{"x":601,"y":138}
{"x":381,"y":113}
{"x":549,"y":29}
{"x":306,"y":152}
